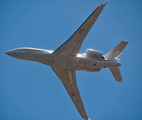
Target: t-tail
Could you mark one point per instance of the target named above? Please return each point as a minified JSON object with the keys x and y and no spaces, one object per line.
{"x":113,"y":55}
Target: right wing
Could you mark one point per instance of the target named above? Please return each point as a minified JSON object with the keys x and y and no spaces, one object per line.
{"x":72,"y":45}
{"x":68,"y":78}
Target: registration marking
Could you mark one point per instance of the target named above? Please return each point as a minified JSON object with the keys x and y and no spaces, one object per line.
{"x":81,"y":30}
{"x":72,"y":94}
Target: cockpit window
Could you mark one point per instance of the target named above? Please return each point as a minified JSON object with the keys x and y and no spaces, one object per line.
{"x":27,"y":51}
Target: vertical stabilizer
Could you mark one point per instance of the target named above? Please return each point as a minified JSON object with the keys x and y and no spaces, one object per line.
{"x":116,"y":51}
{"x":116,"y":73}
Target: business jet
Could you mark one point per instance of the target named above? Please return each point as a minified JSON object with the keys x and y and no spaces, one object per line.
{"x":66,"y":59}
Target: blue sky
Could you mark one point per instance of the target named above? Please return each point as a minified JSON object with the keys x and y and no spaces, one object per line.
{"x":32,"y":91}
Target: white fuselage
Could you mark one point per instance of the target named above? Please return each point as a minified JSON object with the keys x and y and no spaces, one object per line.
{"x":65,"y":60}
{"x":79,"y":62}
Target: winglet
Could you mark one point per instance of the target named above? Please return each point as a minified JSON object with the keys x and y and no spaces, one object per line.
{"x":104,"y":3}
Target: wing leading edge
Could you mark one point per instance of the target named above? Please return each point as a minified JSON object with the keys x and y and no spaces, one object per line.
{"x":72,"y":45}
{"x":68,"y":78}
{"x":71,"y":48}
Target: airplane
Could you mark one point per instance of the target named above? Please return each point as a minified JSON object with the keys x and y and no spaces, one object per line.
{"x":66,"y":59}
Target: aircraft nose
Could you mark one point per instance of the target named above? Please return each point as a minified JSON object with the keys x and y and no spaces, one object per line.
{"x":10,"y":53}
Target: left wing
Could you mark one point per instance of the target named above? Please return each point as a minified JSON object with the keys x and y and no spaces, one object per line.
{"x":68,"y":78}
{"x":72,"y":45}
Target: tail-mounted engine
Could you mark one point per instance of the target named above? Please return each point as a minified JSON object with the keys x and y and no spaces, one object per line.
{"x":93,"y":53}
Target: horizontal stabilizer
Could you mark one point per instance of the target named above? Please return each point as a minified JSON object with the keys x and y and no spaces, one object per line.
{"x":116,"y":51}
{"x":116,"y":73}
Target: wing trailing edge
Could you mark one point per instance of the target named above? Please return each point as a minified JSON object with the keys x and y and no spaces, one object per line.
{"x":72,"y":46}
{"x":68,"y":78}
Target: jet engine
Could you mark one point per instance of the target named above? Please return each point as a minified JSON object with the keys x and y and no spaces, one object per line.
{"x":93,"y":53}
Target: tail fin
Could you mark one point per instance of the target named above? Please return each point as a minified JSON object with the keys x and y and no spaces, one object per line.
{"x":114,"y":54}
{"x":116,"y":73}
{"x":116,"y":51}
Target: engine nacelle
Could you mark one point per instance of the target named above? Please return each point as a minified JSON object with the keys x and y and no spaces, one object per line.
{"x":93,"y":53}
